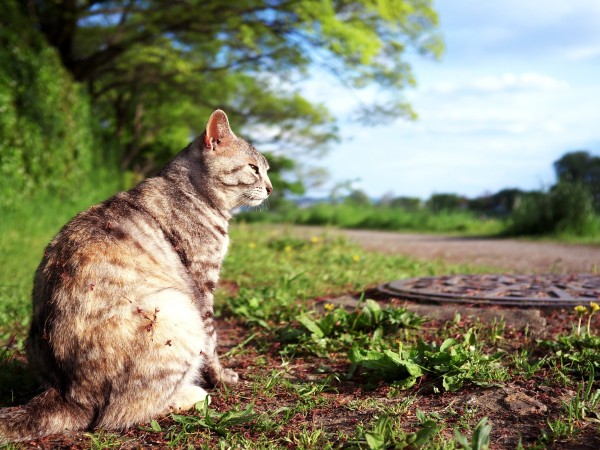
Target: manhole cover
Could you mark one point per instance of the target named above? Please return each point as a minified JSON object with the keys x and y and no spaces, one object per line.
{"x":550,"y":290}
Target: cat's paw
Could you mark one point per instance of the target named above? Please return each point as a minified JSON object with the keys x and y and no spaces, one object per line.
{"x":229,"y":376}
{"x":186,"y":398}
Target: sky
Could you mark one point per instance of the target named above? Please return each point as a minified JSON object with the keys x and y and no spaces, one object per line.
{"x":517,"y":87}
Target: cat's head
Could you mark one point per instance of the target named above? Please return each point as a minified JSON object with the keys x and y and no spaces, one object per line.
{"x":236,"y":166}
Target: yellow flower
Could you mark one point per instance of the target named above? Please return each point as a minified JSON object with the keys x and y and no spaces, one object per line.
{"x":356,"y":258}
{"x":581,"y":310}
{"x":594,"y":306}
{"x":329,"y":306}
{"x":315,"y":239}
{"x":287,"y":249}
{"x":252,"y":245}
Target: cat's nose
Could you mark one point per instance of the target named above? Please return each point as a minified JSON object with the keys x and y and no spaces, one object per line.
{"x":269,"y":189}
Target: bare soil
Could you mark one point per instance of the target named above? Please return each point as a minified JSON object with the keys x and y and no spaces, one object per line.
{"x":512,"y":255}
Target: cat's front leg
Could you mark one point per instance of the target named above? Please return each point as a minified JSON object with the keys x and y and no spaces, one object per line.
{"x":215,"y":374}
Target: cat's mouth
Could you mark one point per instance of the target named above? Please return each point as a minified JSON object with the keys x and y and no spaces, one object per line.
{"x":252,"y":201}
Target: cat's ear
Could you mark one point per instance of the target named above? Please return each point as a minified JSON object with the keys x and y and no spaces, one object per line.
{"x":217,"y":129}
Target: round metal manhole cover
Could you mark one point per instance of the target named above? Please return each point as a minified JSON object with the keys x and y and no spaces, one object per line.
{"x":551,"y":290}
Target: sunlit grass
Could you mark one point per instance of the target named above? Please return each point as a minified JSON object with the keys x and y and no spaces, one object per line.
{"x":270,"y":280}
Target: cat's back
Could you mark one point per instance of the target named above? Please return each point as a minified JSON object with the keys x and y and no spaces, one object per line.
{"x":110,"y":246}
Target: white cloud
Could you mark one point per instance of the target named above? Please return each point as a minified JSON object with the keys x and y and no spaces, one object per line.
{"x":583,"y":52}
{"x":503,"y":82}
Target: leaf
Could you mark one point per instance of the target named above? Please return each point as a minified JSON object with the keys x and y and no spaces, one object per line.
{"x":374,"y":310}
{"x":235,"y":418}
{"x":448,"y":343}
{"x":155,"y":426}
{"x":452,"y":382}
{"x":311,"y":326}
{"x":461,"y":439}
{"x":429,"y":429}
{"x":481,"y":435}
{"x":375,"y":441}
{"x":411,"y":367}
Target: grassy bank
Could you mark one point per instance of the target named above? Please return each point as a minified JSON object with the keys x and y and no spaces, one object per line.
{"x":382,"y":218}
{"x":533,"y":223}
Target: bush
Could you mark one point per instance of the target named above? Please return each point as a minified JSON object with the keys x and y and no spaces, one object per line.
{"x":46,"y":133}
{"x":566,"y":209}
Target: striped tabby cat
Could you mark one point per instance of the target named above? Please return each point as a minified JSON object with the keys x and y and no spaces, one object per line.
{"x":123,"y":327}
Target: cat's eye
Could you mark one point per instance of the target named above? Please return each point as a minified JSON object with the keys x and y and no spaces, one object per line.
{"x":255,"y":168}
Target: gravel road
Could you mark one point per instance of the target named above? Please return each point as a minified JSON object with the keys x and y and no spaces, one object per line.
{"x":502,"y":254}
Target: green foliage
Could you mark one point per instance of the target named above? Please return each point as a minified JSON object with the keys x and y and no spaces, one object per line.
{"x":398,"y":366}
{"x":154,"y":68}
{"x":582,"y":168}
{"x":500,"y":204}
{"x":583,"y":407}
{"x":458,"y":362}
{"x":348,"y":215}
{"x":358,"y":198}
{"x":218,"y":422}
{"x":47,"y":140}
{"x":386,"y":435}
{"x":574,"y":354}
{"x":480,"y":439}
{"x":446,"y":202}
{"x":339,"y":329}
{"x":285,"y":180}
{"x":566,"y":209}
{"x":453,"y":361}
{"x":276,"y":272}
{"x":410,"y":204}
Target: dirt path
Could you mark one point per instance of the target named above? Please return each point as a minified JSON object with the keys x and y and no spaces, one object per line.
{"x":503,"y":254}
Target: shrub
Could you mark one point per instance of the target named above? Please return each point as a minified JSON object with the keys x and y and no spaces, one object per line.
{"x":566,"y":209}
{"x":46,"y":134}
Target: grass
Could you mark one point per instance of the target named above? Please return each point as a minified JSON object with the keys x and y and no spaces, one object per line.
{"x":376,"y":377}
{"x":584,"y":230}
{"x":384,"y":218}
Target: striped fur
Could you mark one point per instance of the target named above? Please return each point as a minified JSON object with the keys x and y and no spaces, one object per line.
{"x":123,"y":327}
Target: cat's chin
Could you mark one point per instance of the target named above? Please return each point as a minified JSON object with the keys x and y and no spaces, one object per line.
{"x":255,"y":202}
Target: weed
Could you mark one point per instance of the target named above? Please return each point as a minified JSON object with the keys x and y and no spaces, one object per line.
{"x":455,"y":362}
{"x":574,"y":354}
{"x":339,"y":329}
{"x":218,"y":422}
{"x":525,"y":365}
{"x":308,"y":439}
{"x":480,"y":439}
{"x":102,"y":440}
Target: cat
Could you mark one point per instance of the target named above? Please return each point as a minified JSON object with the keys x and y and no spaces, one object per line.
{"x":123,"y":328}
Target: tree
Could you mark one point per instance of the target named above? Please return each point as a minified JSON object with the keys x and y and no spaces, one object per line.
{"x":284,"y":178}
{"x":446,"y":202}
{"x":154,"y":68}
{"x":500,"y":204}
{"x":410,"y":204}
{"x":582,"y":168}
{"x":357,"y":197}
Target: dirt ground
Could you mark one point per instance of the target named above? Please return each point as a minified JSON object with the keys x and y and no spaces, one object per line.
{"x":508,"y":255}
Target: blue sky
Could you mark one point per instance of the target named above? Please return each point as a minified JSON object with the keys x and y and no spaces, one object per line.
{"x":518,"y":86}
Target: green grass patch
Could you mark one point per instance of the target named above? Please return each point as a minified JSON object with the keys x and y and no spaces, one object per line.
{"x":384,"y":218}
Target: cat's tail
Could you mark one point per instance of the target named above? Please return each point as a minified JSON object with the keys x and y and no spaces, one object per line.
{"x":48,"y":413}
